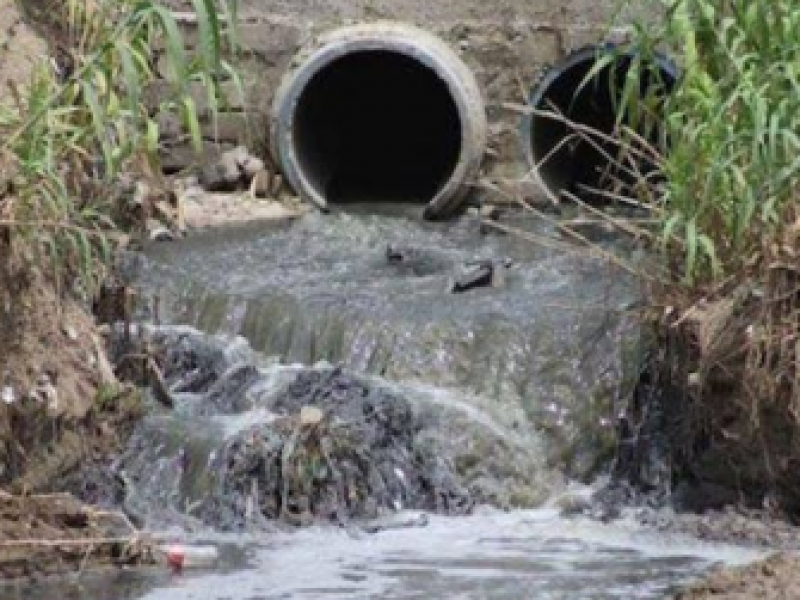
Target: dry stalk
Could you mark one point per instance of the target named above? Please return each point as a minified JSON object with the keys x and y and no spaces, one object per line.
{"x":621,"y":224}
{"x":65,"y":542}
{"x":587,"y":132}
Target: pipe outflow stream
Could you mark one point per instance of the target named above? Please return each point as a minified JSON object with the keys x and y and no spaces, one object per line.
{"x":381,"y":112}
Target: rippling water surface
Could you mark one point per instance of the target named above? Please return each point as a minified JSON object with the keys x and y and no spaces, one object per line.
{"x":544,"y":357}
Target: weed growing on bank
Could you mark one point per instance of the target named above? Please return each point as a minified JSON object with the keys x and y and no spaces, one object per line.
{"x":728,"y":209}
{"x":86,"y":121}
{"x":734,"y":125}
{"x":721,"y":145}
{"x":720,"y":193}
{"x":732,"y":128}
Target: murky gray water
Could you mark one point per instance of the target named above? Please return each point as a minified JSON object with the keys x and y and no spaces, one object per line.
{"x":539,"y":363}
{"x":550,"y":351}
{"x":533,"y":554}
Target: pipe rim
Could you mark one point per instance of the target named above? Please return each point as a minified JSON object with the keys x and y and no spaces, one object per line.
{"x":538,"y":92}
{"x":412,"y":42}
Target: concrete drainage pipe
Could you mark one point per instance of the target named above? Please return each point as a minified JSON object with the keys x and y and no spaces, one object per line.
{"x":574,"y":164}
{"x":380,"y":112}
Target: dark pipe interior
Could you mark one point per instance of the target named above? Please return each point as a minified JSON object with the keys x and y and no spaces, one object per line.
{"x":578,"y":166}
{"x":377,"y":126}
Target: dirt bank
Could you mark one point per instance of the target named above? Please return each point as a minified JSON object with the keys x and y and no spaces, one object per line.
{"x":714,"y":421}
{"x":777,"y":578}
{"x":62,"y":403}
{"x":61,"y":406}
{"x":45,"y":535}
{"x":20,"y":47}
{"x":62,"y":410}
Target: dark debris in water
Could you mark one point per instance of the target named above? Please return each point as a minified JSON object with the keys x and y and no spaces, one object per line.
{"x":340,"y":446}
{"x":359,"y":454}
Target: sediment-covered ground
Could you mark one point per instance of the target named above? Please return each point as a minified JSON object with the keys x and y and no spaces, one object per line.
{"x":777,"y":578}
{"x":305,"y":446}
{"x":56,"y":534}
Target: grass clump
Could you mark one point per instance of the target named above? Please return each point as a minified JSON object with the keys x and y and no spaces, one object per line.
{"x":84,"y":121}
{"x":721,"y":190}
{"x":729,"y":203}
{"x":720,"y":146}
{"x":727,"y":209}
{"x":729,"y":151}
{"x":733,"y":169}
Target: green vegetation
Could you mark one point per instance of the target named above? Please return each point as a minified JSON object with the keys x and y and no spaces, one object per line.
{"x":70,"y":137}
{"x":734,"y":166}
{"x":733,"y":130}
{"x":727,"y":310}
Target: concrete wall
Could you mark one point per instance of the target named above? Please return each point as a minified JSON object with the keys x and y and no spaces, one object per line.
{"x":507,"y":43}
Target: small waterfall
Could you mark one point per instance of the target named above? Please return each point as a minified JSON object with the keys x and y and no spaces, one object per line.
{"x":553,"y":348}
{"x":238,"y":445}
{"x":324,"y":368}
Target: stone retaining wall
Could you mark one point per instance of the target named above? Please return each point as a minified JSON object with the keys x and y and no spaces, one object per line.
{"x":507,"y":43}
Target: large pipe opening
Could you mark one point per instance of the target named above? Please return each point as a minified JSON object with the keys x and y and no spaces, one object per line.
{"x":576,"y":148}
{"x":377,"y":126}
{"x":380,"y":113}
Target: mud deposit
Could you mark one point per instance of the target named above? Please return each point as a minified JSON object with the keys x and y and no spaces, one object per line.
{"x":54,"y":534}
{"x":327,"y":445}
{"x":777,"y":578}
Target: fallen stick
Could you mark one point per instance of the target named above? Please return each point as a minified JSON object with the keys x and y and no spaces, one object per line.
{"x":75,"y":542}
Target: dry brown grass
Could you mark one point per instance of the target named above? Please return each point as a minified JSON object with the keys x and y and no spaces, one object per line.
{"x":733,"y":351}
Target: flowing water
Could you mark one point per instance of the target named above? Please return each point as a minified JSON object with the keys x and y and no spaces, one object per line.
{"x":521,"y":555}
{"x":553,"y":349}
{"x":521,"y":380}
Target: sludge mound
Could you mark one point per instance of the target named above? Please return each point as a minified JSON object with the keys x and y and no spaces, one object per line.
{"x":343,"y":449}
{"x":238,"y":445}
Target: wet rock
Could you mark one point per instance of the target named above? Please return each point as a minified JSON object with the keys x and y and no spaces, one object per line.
{"x":477,"y":277}
{"x":156,"y":232}
{"x":232,"y":168}
{"x":250,"y":166}
{"x":221,"y":176}
{"x":480,"y":274}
